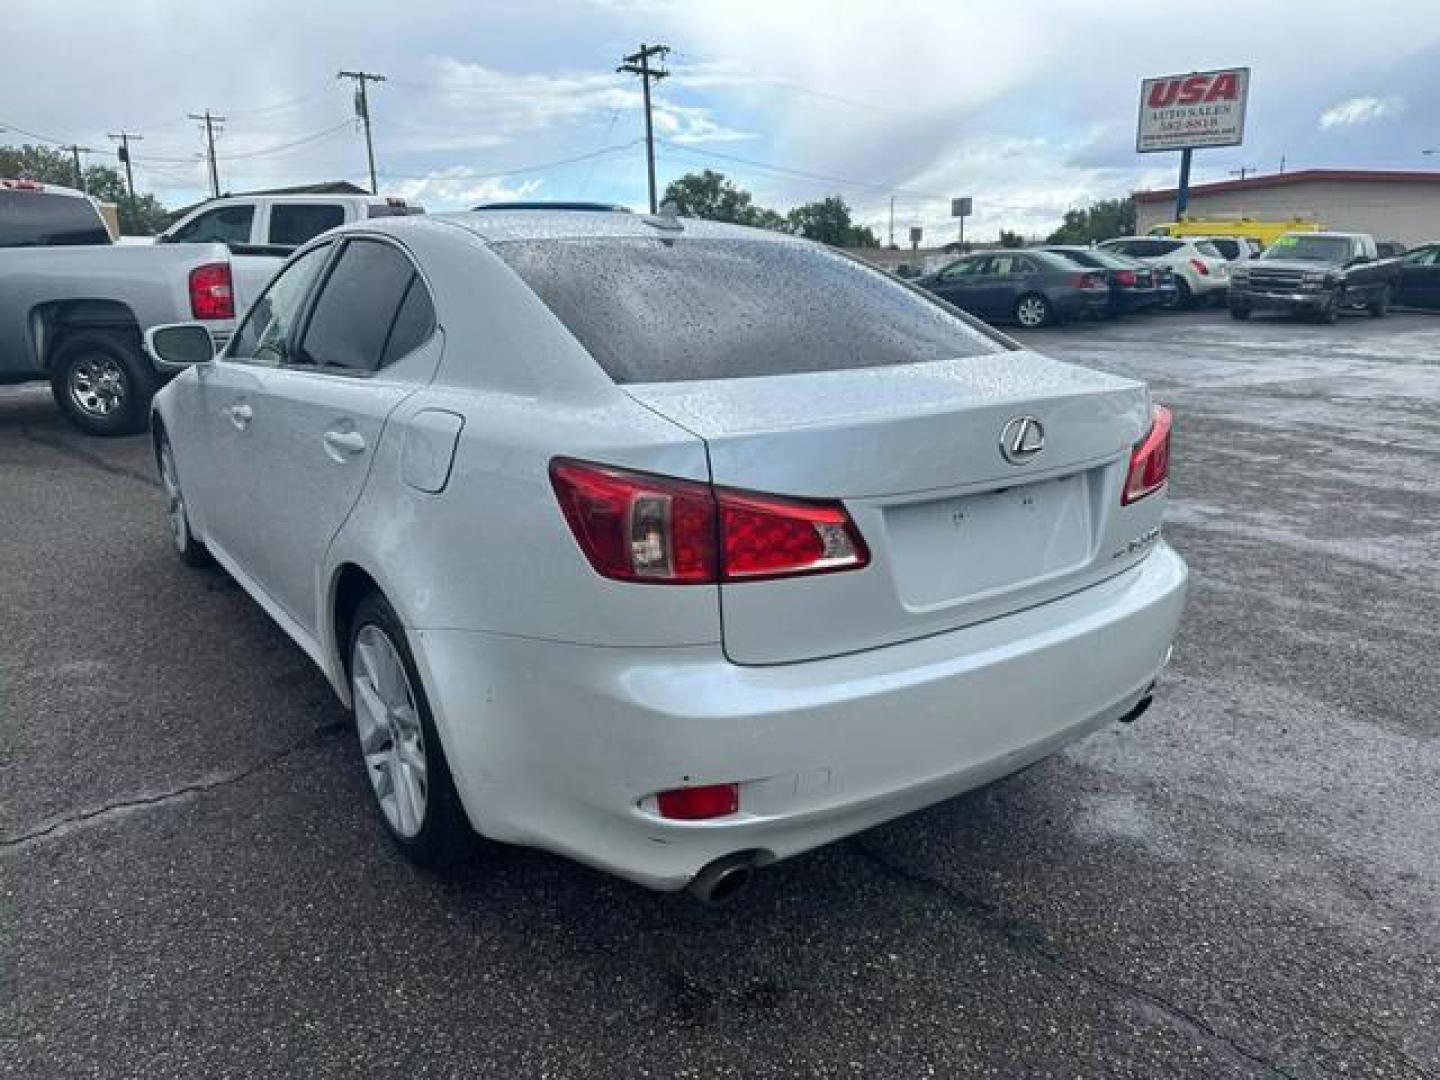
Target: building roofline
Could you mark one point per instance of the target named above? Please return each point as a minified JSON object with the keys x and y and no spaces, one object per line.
{"x":1302,"y":176}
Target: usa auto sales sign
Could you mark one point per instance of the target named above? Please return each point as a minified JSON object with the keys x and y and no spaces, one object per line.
{"x":1204,"y":108}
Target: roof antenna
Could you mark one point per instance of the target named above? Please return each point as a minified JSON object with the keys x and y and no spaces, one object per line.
{"x":668,"y":218}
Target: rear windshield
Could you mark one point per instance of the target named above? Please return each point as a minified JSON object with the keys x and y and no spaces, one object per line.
{"x":34,"y":219}
{"x":1143,"y":249}
{"x":675,"y":310}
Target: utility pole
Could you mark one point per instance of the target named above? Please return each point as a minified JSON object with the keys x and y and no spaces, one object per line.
{"x":362,"y":110}
{"x":123,"y":138}
{"x":892,"y":221}
{"x":1244,"y":171}
{"x":638,"y":63}
{"x":77,"y":150}
{"x":210,"y":122}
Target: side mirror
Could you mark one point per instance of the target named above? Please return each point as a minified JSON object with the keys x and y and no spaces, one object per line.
{"x":176,"y":346}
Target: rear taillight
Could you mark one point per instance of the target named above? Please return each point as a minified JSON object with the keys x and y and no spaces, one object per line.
{"x":1125,"y":277}
{"x":211,"y":295}
{"x":1150,"y":460}
{"x":639,"y":527}
{"x":1085,"y":281}
{"x":1200,"y":268}
{"x":698,"y":803}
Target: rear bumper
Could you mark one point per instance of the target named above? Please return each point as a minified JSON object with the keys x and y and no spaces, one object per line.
{"x":1073,"y":303}
{"x":557,"y":746}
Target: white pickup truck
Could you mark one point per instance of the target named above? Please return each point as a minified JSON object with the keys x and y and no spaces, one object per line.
{"x":74,"y":306}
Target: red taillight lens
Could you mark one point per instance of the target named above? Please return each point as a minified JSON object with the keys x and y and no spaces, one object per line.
{"x":764,"y":536}
{"x":699,"y":803}
{"x":1200,"y":268}
{"x":1150,"y":460}
{"x":638,"y":527}
{"x":211,"y":296}
{"x":1125,"y":277}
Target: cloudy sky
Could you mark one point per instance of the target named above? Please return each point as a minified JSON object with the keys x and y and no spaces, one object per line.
{"x":1029,"y":108}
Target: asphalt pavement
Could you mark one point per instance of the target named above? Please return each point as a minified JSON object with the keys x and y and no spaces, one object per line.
{"x":1245,"y":883}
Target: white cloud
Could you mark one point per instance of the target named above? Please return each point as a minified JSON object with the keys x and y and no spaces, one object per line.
{"x":460,"y":187}
{"x":1361,"y":110}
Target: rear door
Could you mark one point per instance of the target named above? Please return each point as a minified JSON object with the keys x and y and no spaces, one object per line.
{"x":367,"y":343}
{"x":960,"y":283}
{"x":1419,"y":284}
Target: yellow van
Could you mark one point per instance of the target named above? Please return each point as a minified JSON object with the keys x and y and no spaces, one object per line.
{"x":1263,"y":232}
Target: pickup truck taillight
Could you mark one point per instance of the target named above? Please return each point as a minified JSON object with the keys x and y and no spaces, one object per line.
{"x":1200,"y":268}
{"x":211,"y":294}
{"x":1150,"y":460}
{"x":659,"y":530}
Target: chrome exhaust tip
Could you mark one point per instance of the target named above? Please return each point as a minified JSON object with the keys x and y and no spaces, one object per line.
{"x":724,"y":879}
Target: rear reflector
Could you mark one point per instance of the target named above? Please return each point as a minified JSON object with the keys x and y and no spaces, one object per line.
{"x":699,"y":803}
{"x":211,"y":296}
{"x":639,"y":527}
{"x":1150,"y":460}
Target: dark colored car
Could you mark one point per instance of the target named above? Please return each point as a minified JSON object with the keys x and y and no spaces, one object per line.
{"x":1419,"y":284}
{"x":1133,"y":285}
{"x":1032,"y":288}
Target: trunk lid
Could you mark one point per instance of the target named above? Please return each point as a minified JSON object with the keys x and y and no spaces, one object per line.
{"x":957,"y":533}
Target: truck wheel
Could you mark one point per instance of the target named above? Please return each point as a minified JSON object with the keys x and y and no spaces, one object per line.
{"x":1183,"y":296}
{"x":1330,"y":313}
{"x":1380,"y":306}
{"x":102,"y":383}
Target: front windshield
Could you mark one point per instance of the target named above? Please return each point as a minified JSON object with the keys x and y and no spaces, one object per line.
{"x":1330,"y":249}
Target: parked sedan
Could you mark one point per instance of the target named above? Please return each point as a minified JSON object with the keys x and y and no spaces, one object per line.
{"x":1133,"y":285}
{"x":1419,"y":284}
{"x":1032,"y":288}
{"x":499,"y":475}
{"x":1202,"y":274}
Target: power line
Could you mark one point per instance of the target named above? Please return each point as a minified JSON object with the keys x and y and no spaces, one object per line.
{"x":362,"y":110}
{"x":638,"y":63}
{"x":800,"y":173}
{"x":281,"y":148}
{"x":541,"y":167}
{"x":35,"y":135}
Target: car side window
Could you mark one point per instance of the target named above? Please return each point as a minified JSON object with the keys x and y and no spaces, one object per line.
{"x":960,"y":269}
{"x":361,"y":305}
{"x":224,"y":225}
{"x":264,"y":336}
{"x":1423,"y":257}
{"x":293,"y":224}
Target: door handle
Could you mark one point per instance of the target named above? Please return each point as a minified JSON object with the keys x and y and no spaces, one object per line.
{"x":345,"y":442}
{"x":241,"y":415}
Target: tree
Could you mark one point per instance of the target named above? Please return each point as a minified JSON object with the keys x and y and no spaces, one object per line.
{"x":828,"y":221}
{"x":140,"y":214}
{"x":711,"y":196}
{"x":1099,"y":221}
{"x":1010,"y":239}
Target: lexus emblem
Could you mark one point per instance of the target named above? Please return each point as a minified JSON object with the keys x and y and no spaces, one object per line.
{"x":1022,"y":440}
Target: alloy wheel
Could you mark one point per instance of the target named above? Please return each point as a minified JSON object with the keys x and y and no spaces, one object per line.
{"x":391,"y":737}
{"x":97,"y":385}
{"x":1031,"y":312}
{"x":174,"y":498}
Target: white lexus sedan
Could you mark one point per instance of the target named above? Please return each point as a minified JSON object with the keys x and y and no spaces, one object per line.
{"x":674,"y":547}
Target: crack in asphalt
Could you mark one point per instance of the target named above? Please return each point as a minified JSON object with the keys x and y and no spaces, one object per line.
{"x":95,"y":461}
{"x":79,"y":819}
{"x":1030,"y":940}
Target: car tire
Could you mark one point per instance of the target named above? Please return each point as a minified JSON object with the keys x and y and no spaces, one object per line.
{"x":1380,"y":306}
{"x":102,"y":382}
{"x":1033,"y":311}
{"x":1184,"y":298}
{"x":1330,"y":313}
{"x":1240,"y":311}
{"x":400,"y":751}
{"x":192,"y":552}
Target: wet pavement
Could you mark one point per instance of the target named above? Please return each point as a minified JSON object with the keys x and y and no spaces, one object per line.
{"x":1246,"y":883}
